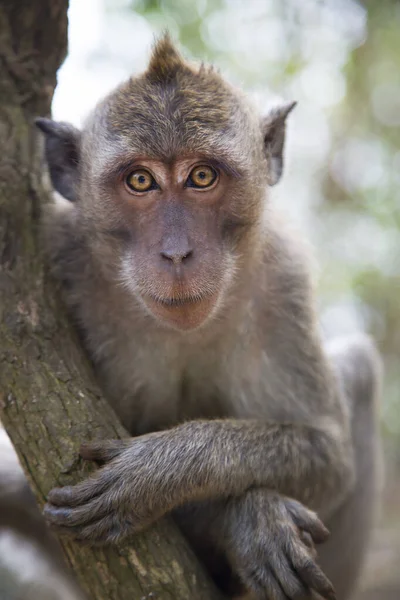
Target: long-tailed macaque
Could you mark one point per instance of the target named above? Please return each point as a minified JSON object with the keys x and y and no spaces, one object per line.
{"x":196,"y":307}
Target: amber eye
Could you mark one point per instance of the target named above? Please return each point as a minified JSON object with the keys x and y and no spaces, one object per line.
{"x":202,"y":177}
{"x":140,"y":181}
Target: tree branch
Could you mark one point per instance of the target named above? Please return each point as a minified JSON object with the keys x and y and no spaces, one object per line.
{"x":49,"y":401}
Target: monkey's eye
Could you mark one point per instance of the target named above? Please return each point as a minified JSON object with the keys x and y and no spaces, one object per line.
{"x":140,"y":181}
{"x":202,"y":176}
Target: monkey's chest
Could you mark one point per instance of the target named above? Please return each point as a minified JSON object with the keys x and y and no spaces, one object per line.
{"x":153,"y":392}
{"x":157,"y":382}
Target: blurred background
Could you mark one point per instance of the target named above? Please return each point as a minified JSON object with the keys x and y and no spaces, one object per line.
{"x":340,"y":59}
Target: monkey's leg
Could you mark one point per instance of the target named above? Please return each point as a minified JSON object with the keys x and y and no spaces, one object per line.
{"x":341,"y":557}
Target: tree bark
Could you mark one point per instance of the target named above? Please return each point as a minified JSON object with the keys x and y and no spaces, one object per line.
{"x":49,"y":401}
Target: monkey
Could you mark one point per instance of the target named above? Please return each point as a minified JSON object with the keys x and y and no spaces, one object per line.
{"x":196,"y":304}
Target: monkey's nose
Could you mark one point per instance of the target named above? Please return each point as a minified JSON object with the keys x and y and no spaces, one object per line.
{"x":177,"y":256}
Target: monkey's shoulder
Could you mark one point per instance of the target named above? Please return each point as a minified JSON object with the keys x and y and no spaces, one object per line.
{"x":286,"y":285}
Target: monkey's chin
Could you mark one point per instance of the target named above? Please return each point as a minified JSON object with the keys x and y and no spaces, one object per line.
{"x":182,"y":315}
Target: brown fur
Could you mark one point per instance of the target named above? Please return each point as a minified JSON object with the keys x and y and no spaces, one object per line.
{"x":243,"y":408}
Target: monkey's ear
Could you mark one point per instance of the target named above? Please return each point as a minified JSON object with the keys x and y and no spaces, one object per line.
{"x":273,"y":127}
{"x":62,"y":149}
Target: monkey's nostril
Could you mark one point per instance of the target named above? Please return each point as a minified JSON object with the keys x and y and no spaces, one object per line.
{"x":177,"y":257}
{"x":188,"y":254}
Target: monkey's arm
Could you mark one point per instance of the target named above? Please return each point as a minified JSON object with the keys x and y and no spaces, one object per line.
{"x":150,"y":475}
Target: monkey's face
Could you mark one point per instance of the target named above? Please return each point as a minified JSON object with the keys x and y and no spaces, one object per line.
{"x":176,"y":239}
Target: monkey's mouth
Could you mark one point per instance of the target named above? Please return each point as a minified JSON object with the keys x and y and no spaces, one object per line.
{"x":181,"y":312}
{"x":171,"y":302}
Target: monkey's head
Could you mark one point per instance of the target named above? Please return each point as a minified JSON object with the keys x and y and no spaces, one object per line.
{"x":168,"y":180}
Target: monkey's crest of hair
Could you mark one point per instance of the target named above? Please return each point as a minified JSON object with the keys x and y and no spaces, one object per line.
{"x":176,"y":107}
{"x":165,"y":61}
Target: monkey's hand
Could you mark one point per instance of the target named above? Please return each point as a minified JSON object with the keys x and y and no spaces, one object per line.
{"x":120,"y":499}
{"x":270,"y":544}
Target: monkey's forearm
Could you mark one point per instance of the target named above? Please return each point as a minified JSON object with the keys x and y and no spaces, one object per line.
{"x":148,"y":476}
{"x":226,"y":457}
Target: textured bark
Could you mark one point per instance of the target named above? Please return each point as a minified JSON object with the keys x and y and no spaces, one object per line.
{"x":49,"y":402}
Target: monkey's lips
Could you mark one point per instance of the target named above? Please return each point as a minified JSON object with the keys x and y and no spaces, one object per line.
{"x":182,"y":313}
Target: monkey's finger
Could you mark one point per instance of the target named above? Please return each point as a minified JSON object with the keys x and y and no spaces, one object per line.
{"x":77,"y":516}
{"x":308,"y":521}
{"x":262,"y":582}
{"x":312,"y":575}
{"x":103,"y":451}
{"x":287,"y":577}
{"x":108,"y":530}
{"x":308,"y":542}
{"x":74,"y":495}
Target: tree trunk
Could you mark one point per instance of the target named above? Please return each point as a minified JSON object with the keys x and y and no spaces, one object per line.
{"x":49,"y":402}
